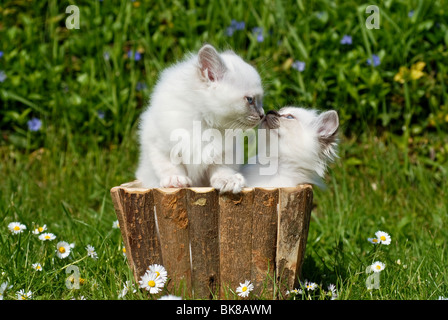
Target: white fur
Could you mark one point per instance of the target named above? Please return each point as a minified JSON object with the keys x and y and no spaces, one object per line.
{"x":305,"y":146}
{"x":206,"y":87}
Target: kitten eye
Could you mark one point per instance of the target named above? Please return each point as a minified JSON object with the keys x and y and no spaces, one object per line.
{"x":288,"y":116}
{"x":250,"y":100}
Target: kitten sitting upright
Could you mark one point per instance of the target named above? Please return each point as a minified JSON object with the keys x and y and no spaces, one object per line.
{"x":307,"y":141}
{"x":209,"y":90}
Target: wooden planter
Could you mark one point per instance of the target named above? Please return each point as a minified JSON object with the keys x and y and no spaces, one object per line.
{"x":212,"y":242}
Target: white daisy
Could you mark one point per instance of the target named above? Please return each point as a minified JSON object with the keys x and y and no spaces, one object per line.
{"x":294,"y":291}
{"x":37,"y":266}
{"x":245,"y":288}
{"x":383,"y":237}
{"x":310,"y":285}
{"x":47,"y":236}
{"x":159,"y":270}
{"x":16,"y":227}
{"x":40,"y":229}
{"x":115,"y":225}
{"x":22,"y":295}
{"x":151,"y":282}
{"x":91,"y":252}
{"x":373,"y":240}
{"x":377,"y":266}
{"x":333,"y":292}
{"x":63,"y":249}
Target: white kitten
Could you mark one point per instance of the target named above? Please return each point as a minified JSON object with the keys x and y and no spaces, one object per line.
{"x":307,"y":141}
{"x":215,"y":90}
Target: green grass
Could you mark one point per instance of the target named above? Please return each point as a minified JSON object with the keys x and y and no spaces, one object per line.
{"x":391,"y":175}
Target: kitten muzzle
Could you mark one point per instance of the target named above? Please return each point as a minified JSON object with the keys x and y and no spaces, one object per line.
{"x":272,"y":119}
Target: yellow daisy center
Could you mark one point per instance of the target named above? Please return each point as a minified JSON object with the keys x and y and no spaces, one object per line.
{"x":157,"y":273}
{"x":47,"y":237}
{"x":151,"y":283}
{"x":61,"y":250}
{"x":40,"y":229}
{"x":244,"y":289}
{"x":16,"y":228}
{"x":124,"y":250}
{"x":383,"y":238}
{"x":378,"y":267}
{"x":375,"y":240}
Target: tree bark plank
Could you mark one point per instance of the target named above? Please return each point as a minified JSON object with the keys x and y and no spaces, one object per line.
{"x":203,"y":215}
{"x":172,"y":218}
{"x":295,"y":206}
{"x":264,"y":239}
{"x":235,"y":231}
{"x":135,"y":213}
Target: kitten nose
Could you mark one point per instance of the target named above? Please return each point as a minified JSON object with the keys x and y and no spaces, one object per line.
{"x":273,"y":112}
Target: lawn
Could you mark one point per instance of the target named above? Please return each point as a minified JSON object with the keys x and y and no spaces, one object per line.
{"x":71,"y":99}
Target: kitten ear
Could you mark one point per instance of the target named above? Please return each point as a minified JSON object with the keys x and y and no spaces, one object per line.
{"x":210,"y":63}
{"x":327,"y":124}
{"x":327,"y":129}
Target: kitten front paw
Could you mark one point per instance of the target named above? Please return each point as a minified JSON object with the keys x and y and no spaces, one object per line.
{"x":175,"y":181}
{"x":234,"y":183}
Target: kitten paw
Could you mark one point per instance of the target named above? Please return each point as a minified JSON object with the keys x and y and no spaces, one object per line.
{"x":234,"y":183}
{"x":175,"y":182}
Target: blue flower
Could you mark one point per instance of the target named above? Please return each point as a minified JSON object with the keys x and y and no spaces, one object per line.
{"x":101,"y":114}
{"x":1,"y":54}
{"x":411,"y":13}
{"x":240,"y":25}
{"x":375,"y":60}
{"x":346,"y":39}
{"x":234,"y":26}
{"x":137,"y":56}
{"x":230,"y":31}
{"x":34,"y":124}
{"x":299,"y":65}
{"x":2,"y":76}
{"x":140,"y":86}
{"x":258,"y":33}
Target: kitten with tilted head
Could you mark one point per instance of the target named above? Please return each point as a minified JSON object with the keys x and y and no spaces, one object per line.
{"x":209,"y":90}
{"x":305,"y":142}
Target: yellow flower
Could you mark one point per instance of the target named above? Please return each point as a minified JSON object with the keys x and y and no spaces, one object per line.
{"x":401,"y":75}
{"x":414,"y":73}
{"x":416,"y":70}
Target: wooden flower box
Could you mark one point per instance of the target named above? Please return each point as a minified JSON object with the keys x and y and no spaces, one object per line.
{"x":212,"y":242}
